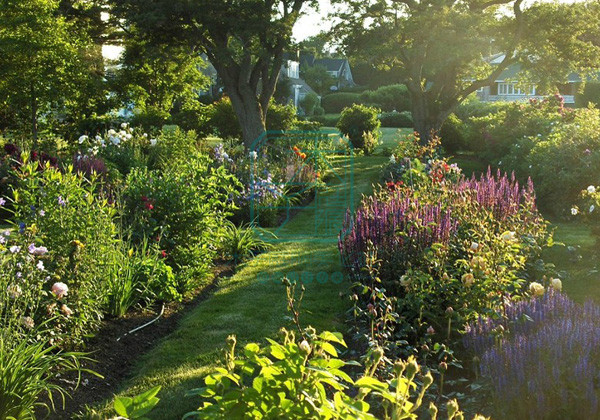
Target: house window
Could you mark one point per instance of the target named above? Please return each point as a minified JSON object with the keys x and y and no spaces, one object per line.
{"x":512,"y":89}
{"x":293,"y":70}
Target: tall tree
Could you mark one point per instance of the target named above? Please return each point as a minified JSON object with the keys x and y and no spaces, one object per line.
{"x":243,"y":39}
{"x":440,"y":47}
{"x":157,"y":78}
{"x":40,"y":59}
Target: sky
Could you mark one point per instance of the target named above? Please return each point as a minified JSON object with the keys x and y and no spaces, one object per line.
{"x":313,"y":22}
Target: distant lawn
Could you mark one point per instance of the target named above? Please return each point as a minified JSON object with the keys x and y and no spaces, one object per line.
{"x":577,"y":261}
{"x":389,"y":138}
{"x":469,"y":163}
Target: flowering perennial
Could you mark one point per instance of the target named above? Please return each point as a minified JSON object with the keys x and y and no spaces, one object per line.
{"x":542,"y":357}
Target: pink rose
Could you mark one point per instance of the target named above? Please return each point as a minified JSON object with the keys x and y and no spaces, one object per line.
{"x":60,"y":290}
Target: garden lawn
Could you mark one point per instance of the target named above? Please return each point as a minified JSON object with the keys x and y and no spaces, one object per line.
{"x":389,"y":139}
{"x":249,"y":308}
{"x":576,"y":261}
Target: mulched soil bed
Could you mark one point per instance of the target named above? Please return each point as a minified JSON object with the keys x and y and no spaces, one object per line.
{"x":115,"y":359}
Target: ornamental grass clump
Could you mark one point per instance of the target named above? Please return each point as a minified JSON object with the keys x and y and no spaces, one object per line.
{"x":542,"y":358}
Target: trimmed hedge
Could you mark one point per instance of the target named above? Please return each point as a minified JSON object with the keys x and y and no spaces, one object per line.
{"x":334,"y":103}
{"x":396,"y":119}
{"x":388,"y":98}
{"x":327,"y":120}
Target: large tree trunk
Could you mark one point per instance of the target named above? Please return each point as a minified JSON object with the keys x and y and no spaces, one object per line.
{"x":428,"y":118}
{"x":250,"y":115}
{"x":425,"y":124}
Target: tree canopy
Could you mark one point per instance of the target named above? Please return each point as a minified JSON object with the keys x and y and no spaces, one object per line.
{"x":41,"y":60}
{"x":440,"y":48}
{"x":244,"y":41}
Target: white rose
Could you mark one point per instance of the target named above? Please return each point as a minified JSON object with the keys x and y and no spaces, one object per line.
{"x":82,"y":139}
{"x":591,"y":189}
{"x":153,"y":142}
{"x":536,"y":289}
{"x":574,"y":211}
{"x":556,"y":284}
{"x":124,"y":125}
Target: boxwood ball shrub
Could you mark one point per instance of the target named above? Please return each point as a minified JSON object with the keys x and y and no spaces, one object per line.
{"x":361,"y":125}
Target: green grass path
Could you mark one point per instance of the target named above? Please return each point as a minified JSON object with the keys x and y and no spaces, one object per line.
{"x":250,"y":308}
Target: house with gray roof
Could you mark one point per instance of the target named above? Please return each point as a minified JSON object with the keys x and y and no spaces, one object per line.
{"x":507,"y":88}
{"x":338,"y":68}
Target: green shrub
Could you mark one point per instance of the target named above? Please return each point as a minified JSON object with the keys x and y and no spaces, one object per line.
{"x":181,"y":209}
{"x":493,"y":135}
{"x":305,"y":125}
{"x":590,"y":95}
{"x":565,"y":161}
{"x":223,"y":119}
{"x":281,"y":117}
{"x":319,"y":110}
{"x":309,"y":103}
{"x":172,"y":147}
{"x":151,"y":118}
{"x":396,"y":119}
{"x":64,"y":214}
{"x":361,"y":124}
{"x":194,"y":116}
{"x":327,"y":120}
{"x":453,"y":134}
{"x":336,"y":102}
{"x":388,"y":98}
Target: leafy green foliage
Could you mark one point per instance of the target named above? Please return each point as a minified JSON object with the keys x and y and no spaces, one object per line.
{"x":286,"y":379}
{"x":396,"y":119}
{"x":281,"y":117}
{"x":64,"y":213}
{"x":158,"y":78}
{"x":29,"y":368}
{"x":180,"y":208}
{"x":453,"y":134}
{"x":240,"y":242}
{"x":387,"y":98}
{"x":42,"y":66}
{"x":318,"y":78}
{"x":309,"y":103}
{"x":335,"y":102}
{"x":361,"y":125}
{"x":418,"y":41}
{"x":136,"y":408}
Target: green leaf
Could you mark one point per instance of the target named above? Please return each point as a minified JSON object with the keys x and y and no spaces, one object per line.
{"x":333,"y":336}
{"x":120,"y":405}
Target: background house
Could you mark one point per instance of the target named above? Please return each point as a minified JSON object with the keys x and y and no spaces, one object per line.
{"x":290,"y":70}
{"x":338,"y":68}
{"x":507,"y":88}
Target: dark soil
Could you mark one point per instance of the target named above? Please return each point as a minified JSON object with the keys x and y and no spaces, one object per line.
{"x":115,"y":352}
